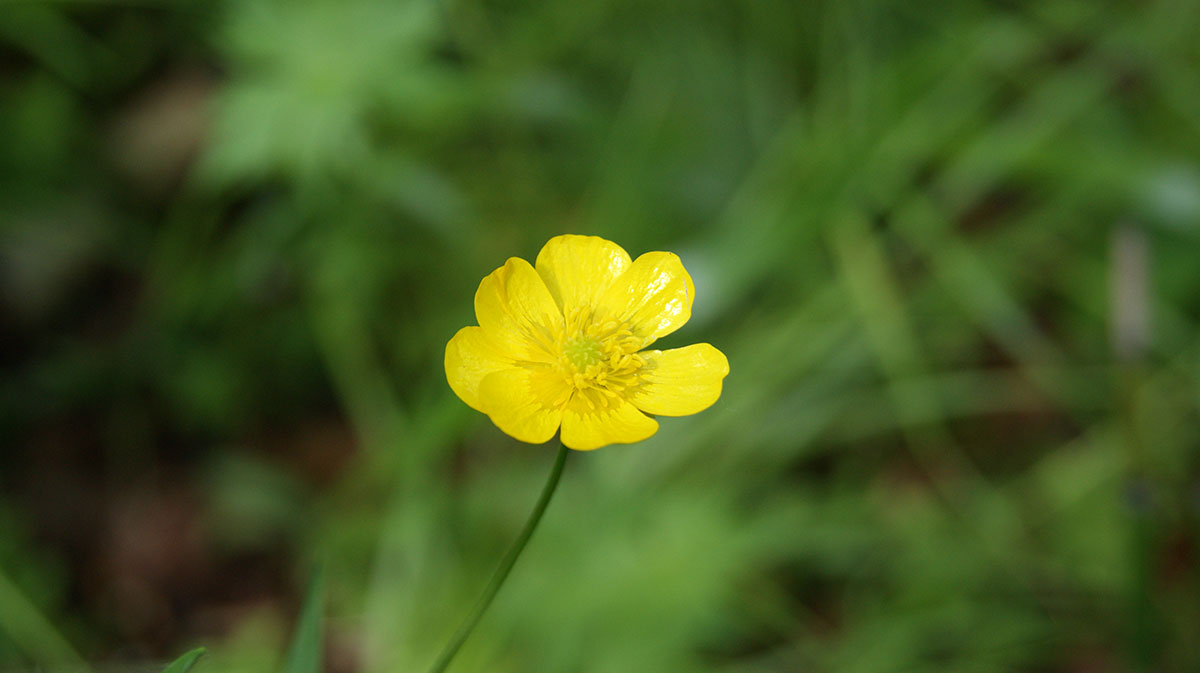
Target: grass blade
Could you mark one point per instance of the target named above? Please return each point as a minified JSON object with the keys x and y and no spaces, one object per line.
{"x":184,"y":663}
{"x":305,"y":653}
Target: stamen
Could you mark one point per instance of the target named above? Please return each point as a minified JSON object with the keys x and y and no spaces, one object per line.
{"x":598,"y":358}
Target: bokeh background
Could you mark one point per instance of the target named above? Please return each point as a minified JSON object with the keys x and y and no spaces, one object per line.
{"x":950,"y":248}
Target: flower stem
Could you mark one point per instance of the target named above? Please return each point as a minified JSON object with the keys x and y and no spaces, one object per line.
{"x":506,"y":566}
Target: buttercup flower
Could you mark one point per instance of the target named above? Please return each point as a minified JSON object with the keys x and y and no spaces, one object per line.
{"x":562,"y":343}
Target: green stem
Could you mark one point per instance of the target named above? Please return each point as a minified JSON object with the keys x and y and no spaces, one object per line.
{"x":506,"y":566}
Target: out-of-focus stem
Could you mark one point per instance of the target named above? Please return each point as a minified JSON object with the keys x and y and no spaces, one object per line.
{"x":1130,"y":325}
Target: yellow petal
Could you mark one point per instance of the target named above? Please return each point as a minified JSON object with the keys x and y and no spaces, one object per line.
{"x":653,"y":296}
{"x":584,"y":428}
{"x":519,"y":402}
{"x":680,"y":381}
{"x":517,"y":313}
{"x":577,"y":269}
{"x":470,"y":356}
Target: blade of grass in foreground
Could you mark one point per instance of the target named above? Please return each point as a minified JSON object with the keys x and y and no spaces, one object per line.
{"x":184,"y":663}
{"x":32,"y":632}
{"x":305,"y":653}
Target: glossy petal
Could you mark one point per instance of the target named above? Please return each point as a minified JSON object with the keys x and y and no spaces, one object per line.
{"x":470,"y":356}
{"x":514,"y":402}
{"x":654,"y":296}
{"x":517,"y":313}
{"x":680,"y":381}
{"x":585,"y":429}
{"x":578,"y":269}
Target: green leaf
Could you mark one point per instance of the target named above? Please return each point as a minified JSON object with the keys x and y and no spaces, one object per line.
{"x":305,"y":653}
{"x":184,"y":663}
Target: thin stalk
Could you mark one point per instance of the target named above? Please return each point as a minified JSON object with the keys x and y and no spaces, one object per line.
{"x":506,"y":566}
{"x":1130,"y":310}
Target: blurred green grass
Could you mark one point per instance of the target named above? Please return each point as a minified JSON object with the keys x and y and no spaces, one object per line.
{"x":235,"y":237}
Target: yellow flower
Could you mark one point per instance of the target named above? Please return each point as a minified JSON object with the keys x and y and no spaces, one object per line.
{"x":562,"y":345}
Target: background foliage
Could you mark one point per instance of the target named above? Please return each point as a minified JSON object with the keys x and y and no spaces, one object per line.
{"x":950,"y":249}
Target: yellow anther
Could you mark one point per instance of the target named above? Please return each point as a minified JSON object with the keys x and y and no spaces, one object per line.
{"x":598,"y":359}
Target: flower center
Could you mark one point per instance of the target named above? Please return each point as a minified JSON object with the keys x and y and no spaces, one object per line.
{"x":582,"y":352}
{"x":599,"y":360}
